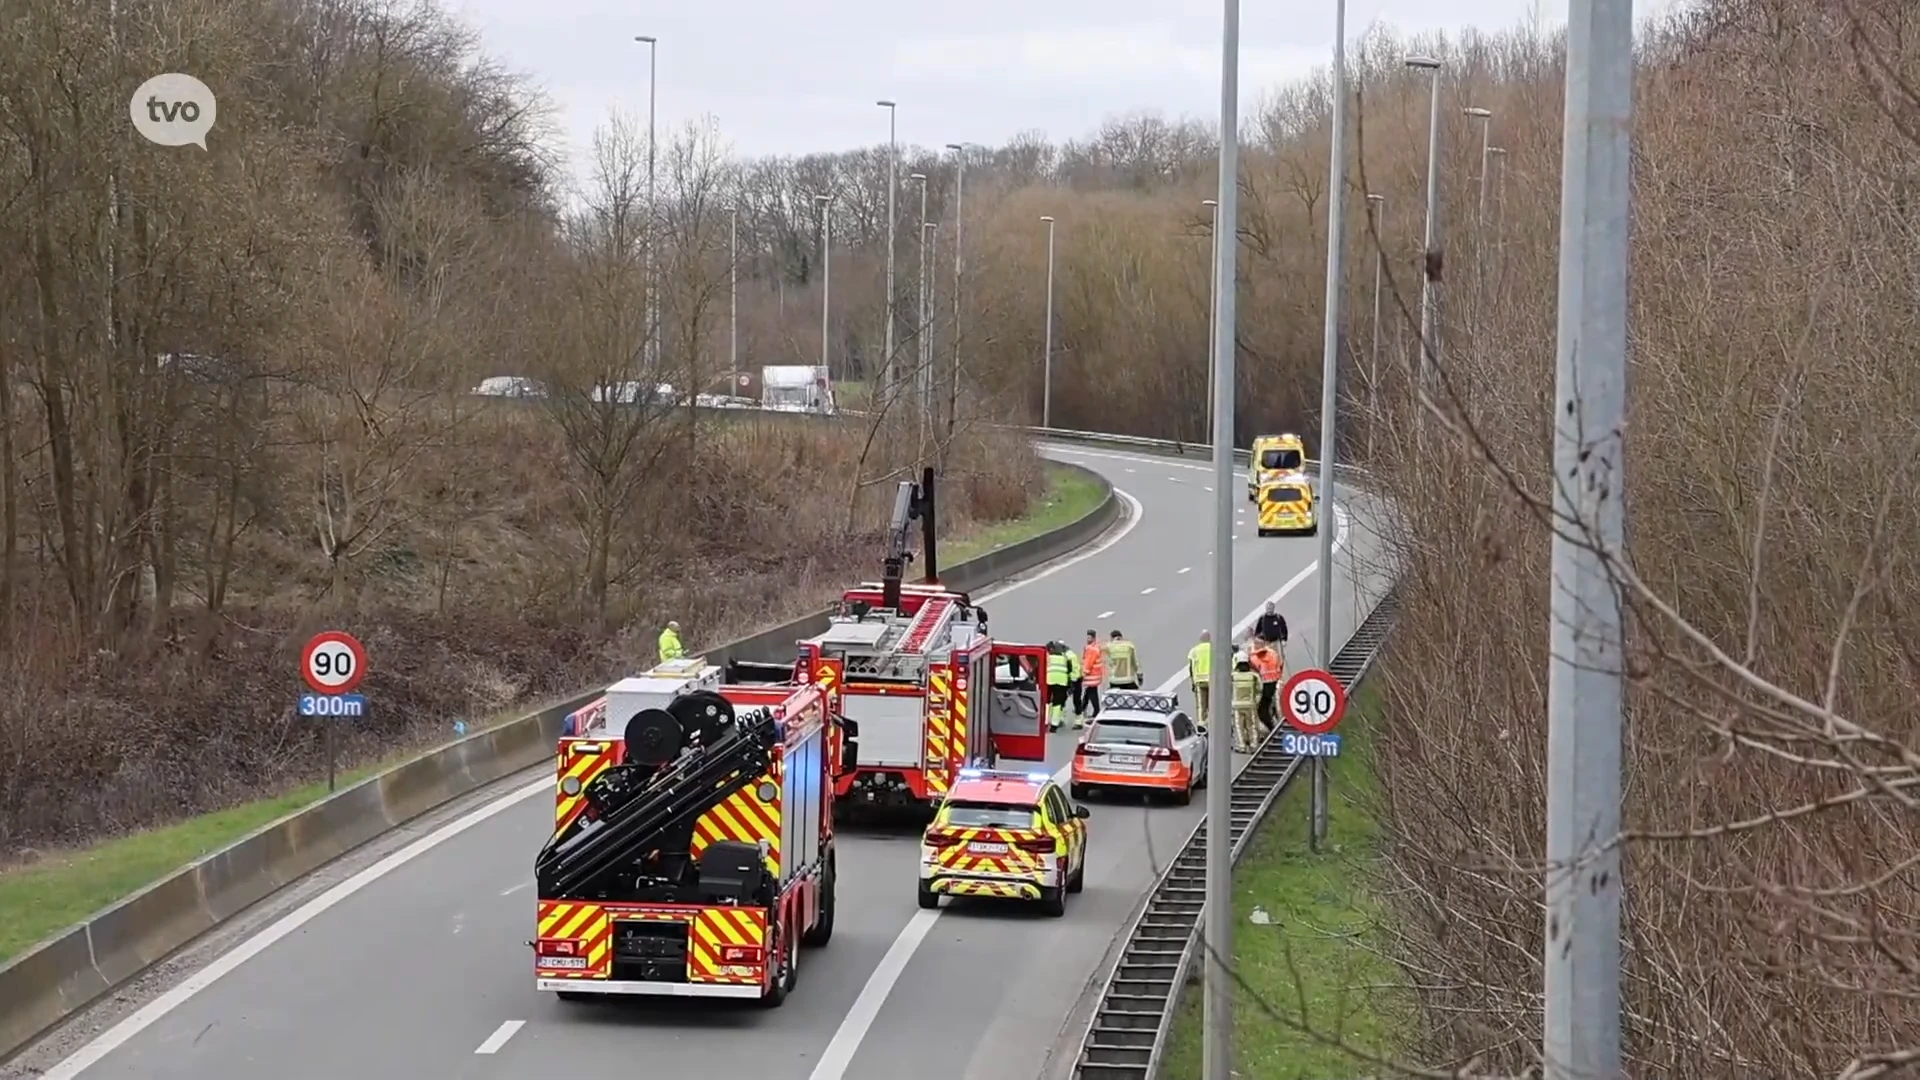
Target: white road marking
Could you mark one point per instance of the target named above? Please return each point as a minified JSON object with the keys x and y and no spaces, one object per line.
{"x":499,"y":1037}
{"x":1103,"y":615}
{"x":1173,"y":479}
{"x":119,"y":1033}
{"x":1148,"y":591}
{"x":1130,"y":470}
{"x":516,"y":888}
{"x":116,"y":1036}
{"x":1183,"y":570}
{"x":1209,"y":487}
{"x":866,"y":1008}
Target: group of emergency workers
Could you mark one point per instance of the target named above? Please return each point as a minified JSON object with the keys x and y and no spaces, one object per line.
{"x":1075,"y":678}
{"x":1257,"y":672}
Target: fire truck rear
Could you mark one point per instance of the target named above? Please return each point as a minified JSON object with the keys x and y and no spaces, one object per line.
{"x":914,"y":667}
{"x":692,"y":852}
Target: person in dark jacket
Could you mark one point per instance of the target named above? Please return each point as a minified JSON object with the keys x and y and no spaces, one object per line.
{"x":1272,"y":626}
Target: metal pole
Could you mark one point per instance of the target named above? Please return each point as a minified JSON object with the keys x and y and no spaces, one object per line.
{"x":959,"y":190}
{"x":1330,"y":377}
{"x":1217,"y":1002}
{"x":1428,"y":355}
{"x":893,"y":182}
{"x":932,"y":235}
{"x":920,"y":318}
{"x":1485,"y":116}
{"x":1499,"y":214}
{"x":733,"y":300}
{"x":1213,"y":299}
{"x":1378,"y":205}
{"x":1584,"y":674}
{"x":653,"y":224}
{"x":826,"y":273}
{"x":1046,"y":370}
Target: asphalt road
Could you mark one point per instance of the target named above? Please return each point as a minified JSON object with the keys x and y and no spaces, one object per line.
{"x":417,"y":966}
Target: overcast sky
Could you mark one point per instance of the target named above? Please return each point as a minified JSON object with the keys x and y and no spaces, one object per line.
{"x":785,"y":78}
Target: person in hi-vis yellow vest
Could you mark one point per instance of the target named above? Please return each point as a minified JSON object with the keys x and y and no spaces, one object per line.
{"x":1060,"y":666}
{"x":1199,"y":671}
{"x":670,"y":647}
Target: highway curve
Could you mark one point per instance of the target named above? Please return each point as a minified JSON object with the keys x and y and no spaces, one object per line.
{"x":416,"y":964}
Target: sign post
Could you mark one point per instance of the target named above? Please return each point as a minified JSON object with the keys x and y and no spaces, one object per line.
{"x":333,"y":665}
{"x":1313,"y":703}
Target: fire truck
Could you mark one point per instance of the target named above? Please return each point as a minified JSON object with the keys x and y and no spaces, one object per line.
{"x":692,"y":851}
{"x":913,"y":666}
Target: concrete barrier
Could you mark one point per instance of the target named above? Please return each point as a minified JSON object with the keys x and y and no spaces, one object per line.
{"x":69,"y":971}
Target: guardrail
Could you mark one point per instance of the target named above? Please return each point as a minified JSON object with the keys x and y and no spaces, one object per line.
{"x":1127,"y":1036}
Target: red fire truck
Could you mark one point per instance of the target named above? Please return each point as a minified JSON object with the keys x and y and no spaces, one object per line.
{"x":917,"y":675}
{"x":692,"y":852}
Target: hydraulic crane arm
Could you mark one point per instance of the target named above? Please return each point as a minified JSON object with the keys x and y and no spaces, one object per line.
{"x":911,"y":502}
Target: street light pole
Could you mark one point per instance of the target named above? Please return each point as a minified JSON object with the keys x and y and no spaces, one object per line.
{"x":733,"y":299}
{"x":930,"y":242}
{"x":893,"y":162}
{"x":1428,"y":357}
{"x":920,"y":318}
{"x":1213,"y":294}
{"x":825,"y":203}
{"x":1485,"y":116}
{"x":1046,"y":369}
{"x":1330,"y":377}
{"x":959,"y":220}
{"x":1216,"y":1055}
{"x":1377,"y":209}
{"x":1499,"y":219}
{"x":653,"y":223}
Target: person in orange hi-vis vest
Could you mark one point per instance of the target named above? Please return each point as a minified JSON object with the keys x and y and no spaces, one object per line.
{"x":1267,"y":662}
{"x":1093,"y":671}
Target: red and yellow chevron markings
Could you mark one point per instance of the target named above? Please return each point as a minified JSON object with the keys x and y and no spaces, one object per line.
{"x":939,"y":698}
{"x":957,"y":739}
{"x":746,"y":817}
{"x":588,"y":926}
{"x":580,"y":761}
{"x":1004,"y":890}
{"x":724,"y":939}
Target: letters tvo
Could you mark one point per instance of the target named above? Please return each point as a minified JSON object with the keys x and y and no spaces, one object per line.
{"x":167,"y":112}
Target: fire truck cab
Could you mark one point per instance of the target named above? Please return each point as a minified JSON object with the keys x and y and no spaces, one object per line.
{"x":692,"y":852}
{"x":927,"y":688}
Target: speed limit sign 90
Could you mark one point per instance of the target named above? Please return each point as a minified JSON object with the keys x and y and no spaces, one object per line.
{"x":334,"y":662}
{"x":1313,"y":702}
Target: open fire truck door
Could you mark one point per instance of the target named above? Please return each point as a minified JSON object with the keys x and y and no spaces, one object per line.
{"x":1016,"y":710}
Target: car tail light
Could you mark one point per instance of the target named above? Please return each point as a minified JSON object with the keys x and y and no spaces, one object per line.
{"x":1083,"y":750}
{"x":1039,"y":845}
{"x":939,"y":838}
{"x":1160,"y":753}
{"x":740,"y":954}
{"x":554,"y":948}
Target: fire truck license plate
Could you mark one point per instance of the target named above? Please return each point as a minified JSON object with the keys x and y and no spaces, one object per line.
{"x":980,"y":847}
{"x":563,"y":961}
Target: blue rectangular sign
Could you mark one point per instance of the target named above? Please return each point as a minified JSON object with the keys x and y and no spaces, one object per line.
{"x":1292,"y":742}
{"x":333,"y":706}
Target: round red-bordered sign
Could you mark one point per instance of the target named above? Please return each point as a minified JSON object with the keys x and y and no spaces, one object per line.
{"x":334,"y":662}
{"x":1313,"y":702}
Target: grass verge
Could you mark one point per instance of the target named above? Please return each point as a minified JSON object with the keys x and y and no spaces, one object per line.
{"x":54,"y":892}
{"x":1306,"y":979}
{"x":51,"y":893}
{"x":1070,"y":496}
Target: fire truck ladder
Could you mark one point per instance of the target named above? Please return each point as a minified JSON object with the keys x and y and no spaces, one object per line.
{"x":674,"y":797}
{"x":931,"y":617}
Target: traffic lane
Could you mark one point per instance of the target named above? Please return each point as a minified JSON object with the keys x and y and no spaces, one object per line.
{"x":694,"y":1037}
{"x":1002,"y":979}
{"x":420,"y":967}
{"x":374,"y":986}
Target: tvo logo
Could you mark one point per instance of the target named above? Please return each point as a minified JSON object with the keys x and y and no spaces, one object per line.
{"x":173,"y":110}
